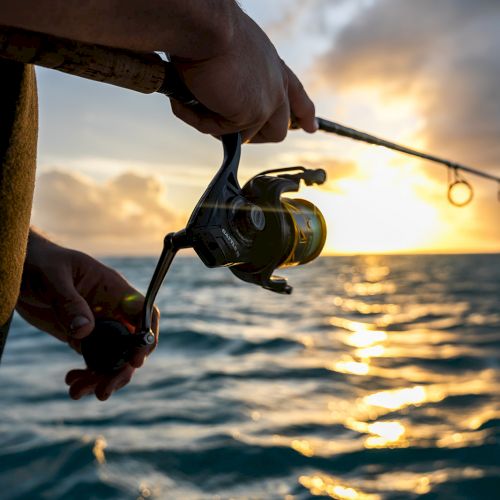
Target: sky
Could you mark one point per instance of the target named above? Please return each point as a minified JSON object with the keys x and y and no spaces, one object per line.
{"x":117,"y":171}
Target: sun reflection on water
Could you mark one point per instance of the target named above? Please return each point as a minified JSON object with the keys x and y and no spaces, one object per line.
{"x":387,"y":434}
{"x":364,"y":338}
{"x":350,"y":366}
{"x":375,"y":351}
{"x":303,"y":446}
{"x":397,"y":398}
{"x":368,"y":289}
{"x":327,"y":485}
{"x":367,"y":328}
{"x":98,"y":449}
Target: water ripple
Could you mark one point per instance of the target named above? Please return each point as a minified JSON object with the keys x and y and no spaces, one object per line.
{"x":377,"y":379}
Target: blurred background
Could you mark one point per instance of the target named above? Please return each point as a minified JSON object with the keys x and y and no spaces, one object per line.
{"x":378,"y":378}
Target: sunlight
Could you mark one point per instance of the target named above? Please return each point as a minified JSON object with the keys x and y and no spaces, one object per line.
{"x":365,"y":338}
{"x":388,"y":434}
{"x":385,"y":434}
{"x":98,"y":449}
{"x":303,"y":446}
{"x":350,"y":367}
{"x":380,"y":212}
{"x":400,"y":398}
{"x":327,"y":485}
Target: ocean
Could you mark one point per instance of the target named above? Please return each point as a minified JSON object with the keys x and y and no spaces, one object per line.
{"x":378,"y":378}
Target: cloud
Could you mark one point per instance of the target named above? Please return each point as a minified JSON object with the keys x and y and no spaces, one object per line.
{"x":126,"y":214}
{"x":444,"y":55}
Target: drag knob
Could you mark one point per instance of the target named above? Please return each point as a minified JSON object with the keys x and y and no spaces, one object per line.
{"x":251,"y":218}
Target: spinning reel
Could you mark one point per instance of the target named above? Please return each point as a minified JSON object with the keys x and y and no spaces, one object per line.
{"x":252,"y":230}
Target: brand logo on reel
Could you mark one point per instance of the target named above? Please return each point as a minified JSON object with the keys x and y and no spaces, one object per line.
{"x":231,"y":242}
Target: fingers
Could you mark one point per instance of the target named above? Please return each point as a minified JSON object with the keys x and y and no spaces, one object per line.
{"x":301,"y":106}
{"x":71,"y":308}
{"x":85,"y":382}
{"x":74,"y":375}
{"x":81,"y":384}
{"x":202,"y":120}
{"x":107,"y":386}
{"x":275,"y":129}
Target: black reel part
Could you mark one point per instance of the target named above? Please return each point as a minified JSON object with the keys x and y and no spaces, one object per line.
{"x":111,"y":345}
{"x":249,"y":229}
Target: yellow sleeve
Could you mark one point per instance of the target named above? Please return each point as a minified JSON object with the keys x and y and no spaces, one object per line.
{"x":18,"y":141}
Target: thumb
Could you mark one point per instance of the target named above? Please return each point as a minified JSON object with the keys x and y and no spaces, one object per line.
{"x":73,"y":312}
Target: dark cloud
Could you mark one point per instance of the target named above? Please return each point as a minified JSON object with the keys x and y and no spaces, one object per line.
{"x":126,"y":214}
{"x":445,"y":54}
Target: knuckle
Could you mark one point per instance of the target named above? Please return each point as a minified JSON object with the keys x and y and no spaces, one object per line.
{"x":281,"y":135}
{"x":277,"y":135}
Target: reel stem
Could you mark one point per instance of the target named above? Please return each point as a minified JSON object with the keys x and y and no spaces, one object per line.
{"x":173,"y":242}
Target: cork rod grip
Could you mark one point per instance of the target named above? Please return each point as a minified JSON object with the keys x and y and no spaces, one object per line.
{"x":139,"y":71}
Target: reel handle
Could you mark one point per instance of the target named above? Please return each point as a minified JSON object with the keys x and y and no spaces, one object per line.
{"x":111,"y":345}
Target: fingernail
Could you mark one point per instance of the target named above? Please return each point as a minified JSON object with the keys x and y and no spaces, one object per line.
{"x":78,"y":322}
{"x":316,"y":124}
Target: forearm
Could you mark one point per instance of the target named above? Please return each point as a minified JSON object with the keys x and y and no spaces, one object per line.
{"x":191,"y":29}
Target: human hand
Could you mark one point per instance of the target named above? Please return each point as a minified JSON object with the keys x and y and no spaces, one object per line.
{"x":62,"y":292}
{"x":246,"y":88}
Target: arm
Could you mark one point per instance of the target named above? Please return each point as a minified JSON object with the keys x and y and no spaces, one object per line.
{"x":186,"y":28}
{"x":225,"y":59}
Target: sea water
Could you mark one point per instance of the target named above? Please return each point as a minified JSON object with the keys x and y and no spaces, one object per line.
{"x":378,"y":378}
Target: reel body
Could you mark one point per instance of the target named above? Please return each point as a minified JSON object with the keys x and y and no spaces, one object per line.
{"x":252,"y":230}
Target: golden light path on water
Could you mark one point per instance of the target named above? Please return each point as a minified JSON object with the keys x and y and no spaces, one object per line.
{"x":369,"y":341}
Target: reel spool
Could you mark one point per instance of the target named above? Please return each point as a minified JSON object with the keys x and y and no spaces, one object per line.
{"x":252,"y":230}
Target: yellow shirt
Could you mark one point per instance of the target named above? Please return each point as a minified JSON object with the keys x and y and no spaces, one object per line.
{"x":18,"y":141}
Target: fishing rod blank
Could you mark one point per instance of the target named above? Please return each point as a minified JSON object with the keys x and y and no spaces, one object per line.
{"x":458,"y":181}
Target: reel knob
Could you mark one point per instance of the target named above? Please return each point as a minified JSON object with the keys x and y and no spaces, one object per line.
{"x":111,"y":345}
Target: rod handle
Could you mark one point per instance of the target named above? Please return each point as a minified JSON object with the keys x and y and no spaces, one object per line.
{"x":144,"y":72}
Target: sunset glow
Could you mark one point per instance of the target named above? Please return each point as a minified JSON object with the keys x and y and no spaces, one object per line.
{"x":376,"y":201}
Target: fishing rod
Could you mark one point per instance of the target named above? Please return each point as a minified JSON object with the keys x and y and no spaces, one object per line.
{"x":252,"y":230}
{"x":149,"y":72}
{"x":453,"y":181}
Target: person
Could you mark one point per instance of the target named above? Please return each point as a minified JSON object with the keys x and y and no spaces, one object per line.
{"x":227,"y":62}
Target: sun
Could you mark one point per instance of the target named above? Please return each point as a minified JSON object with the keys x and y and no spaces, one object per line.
{"x":376,"y":211}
